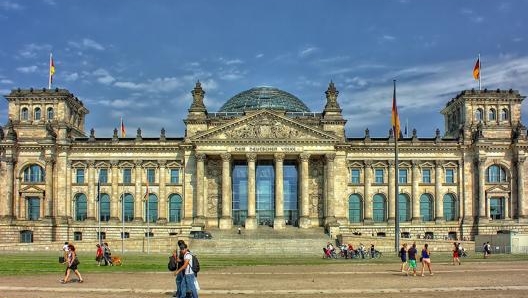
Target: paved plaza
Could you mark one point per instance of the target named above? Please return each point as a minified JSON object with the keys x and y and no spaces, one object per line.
{"x":493,"y":279}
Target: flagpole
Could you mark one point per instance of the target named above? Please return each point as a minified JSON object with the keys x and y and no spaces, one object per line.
{"x":148,"y":217}
{"x":123,"y":224}
{"x":480,"y":72}
{"x":396,"y":211}
{"x":99,"y":206}
{"x":49,"y":72}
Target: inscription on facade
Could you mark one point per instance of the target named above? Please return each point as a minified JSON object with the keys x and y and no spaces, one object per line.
{"x":266,"y":149}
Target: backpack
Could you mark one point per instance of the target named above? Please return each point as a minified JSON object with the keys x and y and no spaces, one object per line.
{"x":172,"y":266}
{"x":195,"y":264}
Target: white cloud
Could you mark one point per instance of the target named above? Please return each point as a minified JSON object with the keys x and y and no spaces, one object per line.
{"x":70,"y":77}
{"x":32,"y":50}
{"x":27,"y":69}
{"x":231,"y":62}
{"x":10,"y":5}
{"x":388,"y":37}
{"x":259,"y":55}
{"x":6,"y":81}
{"x":50,"y":2}
{"x":473,"y":16}
{"x":103,"y":76}
{"x":154,"y":85}
{"x":307,"y":51}
{"x":87,"y":43}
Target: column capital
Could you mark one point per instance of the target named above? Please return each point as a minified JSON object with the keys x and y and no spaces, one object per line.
{"x":226,"y":156}
{"x":480,"y":160}
{"x":520,"y":160}
{"x":304,"y":157}
{"x":49,"y":160}
{"x":330,"y":156}
{"x":138,"y":162}
{"x":391,"y":163}
{"x":367,"y":163}
{"x":114,"y":163}
{"x":279,"y":157}
{"x":251,"y":156}
{"x":162,"y":162}
{"x":200,"y":156}
{"x":439,"y":163}
{"x":415,"y":163}
{"x":90,"y":163}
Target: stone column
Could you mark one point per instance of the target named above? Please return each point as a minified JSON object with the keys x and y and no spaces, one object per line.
{"x":278,"y":222}
{"x":68,"y":190}
{"x":49,"y":199}
{"x":226,"y":222}
{"x":138,"y":171}
{"x":162,"y":200}
{"x":92,"y":188}
{"x":483,"y":214}
{"x":392,"y":192}
{"x":6,"y":211}
{"x":305,"y":198}
{"x":114,"y":198}
{"x":200,"y":172}
{"x":439,"y":201}
{"x":521,"y":213}
{"x":367,"y":170}
{"x":330,"y":198}
{"x":415,"y":192}
{"x":251,"y":220}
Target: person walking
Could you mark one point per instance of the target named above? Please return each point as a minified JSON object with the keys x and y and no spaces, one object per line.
{"x":403,"y":256}
{"x":188,"y":282}
{"x":107,"y":254}
{"x":411,"y":253}
{"x":179,"y":263}
{"x":456,"y":253}
{"x":72,"y":263}
{"x":99,"y":254}
{"x":426,"y":259}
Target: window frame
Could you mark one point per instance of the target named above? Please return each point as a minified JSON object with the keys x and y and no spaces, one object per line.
{"x":355,"y":175}
{"x":426,"y":178}
{"x":379,"y":179}
{"x":449,"y":176}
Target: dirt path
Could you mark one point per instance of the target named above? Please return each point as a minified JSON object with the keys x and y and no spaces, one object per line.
{"x":497,"y":279}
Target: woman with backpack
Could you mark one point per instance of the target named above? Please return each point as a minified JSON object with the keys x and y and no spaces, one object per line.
{"x":188,"y":284}
{"x":426,"y":259}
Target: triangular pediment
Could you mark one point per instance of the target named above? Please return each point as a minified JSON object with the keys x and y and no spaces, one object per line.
{"x":498,"y":189}
{"x":265,"y":125}
{"x":32,"y":189}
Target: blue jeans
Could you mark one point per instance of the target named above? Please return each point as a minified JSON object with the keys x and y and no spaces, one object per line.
{"x":187,"y":284}
{"x":179,"y":279}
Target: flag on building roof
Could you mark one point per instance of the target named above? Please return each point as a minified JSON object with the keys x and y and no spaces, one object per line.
{"x":395,"y":121}
{"x":476,"y":70}
{"x":123,"y":130}
{"x":51,"y":71}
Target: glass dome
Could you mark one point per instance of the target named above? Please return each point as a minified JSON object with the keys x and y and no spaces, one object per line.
{"x":264,"y":98}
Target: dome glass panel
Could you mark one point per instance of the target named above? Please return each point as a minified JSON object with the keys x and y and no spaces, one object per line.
{"x":264,"y":98}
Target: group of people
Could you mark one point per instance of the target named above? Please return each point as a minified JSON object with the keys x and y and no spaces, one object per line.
{"x":348,"y":251}
{"x":408,"y":258}
{"x":72,"y":262}
{"x":486,"y":248}
{"x":103,"y":255}
{"x":186,"y":279}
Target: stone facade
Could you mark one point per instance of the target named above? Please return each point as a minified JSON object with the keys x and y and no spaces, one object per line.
{"x":468,"y":182}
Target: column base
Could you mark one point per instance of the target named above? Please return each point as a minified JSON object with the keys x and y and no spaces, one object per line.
{"x":483,"y":220}
{"x":138,"y":219}
{"x":439,"y":220}
{"x":226,"y":223}
{"x":251,"y":223}
{"x":6,"y":218}
{"x":369,"y":221}
{"x":278,"y":223}
{"x":416,"y":220}
{"x":161,"y":221}
{"x":330,"y":221}
{"x":305,"y":223}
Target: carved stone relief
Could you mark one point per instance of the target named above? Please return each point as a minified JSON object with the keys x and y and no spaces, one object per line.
{"x":214,"y":187}
{"x":264,"y":128}
{"x":316,"y":187}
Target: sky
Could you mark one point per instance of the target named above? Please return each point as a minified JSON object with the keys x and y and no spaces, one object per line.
{"x":140,"y":59}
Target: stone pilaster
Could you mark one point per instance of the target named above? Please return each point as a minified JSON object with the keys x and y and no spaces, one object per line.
{"x":521,"y":212}
{"x":251,"y":220}
{"x":138,"y":171}
{"x":6,"y":211}
{"x":49,"y":200}
{"x":392,"y":192}
{"x":439,"y":206}
{"x":92,"y":188}
{"x":200,"y":204}
{"x":114,"y":198}
{"x":367,"y":197}
{"x":415,"y":200}
{"x":483,"y":214}
{"x":305,"y":198}
{"x":330,"y":197}
{"x":279,"y":192}
{"x":162,"y":196}
{"x":226,"y":222}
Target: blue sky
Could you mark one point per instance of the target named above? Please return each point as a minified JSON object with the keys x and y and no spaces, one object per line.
{"x":141,"y":59}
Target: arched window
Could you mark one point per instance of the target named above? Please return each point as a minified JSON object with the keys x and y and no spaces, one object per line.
{"x":105,"y":207}
{"x":379,"y":207}
{"x":34,"y":173}
{"x":24,"y":115}
{"x":504,"y":115}
{"x":175,"y":208}
{"x":496,"y":174}
{"x":426,"y":207}
{"x":404,"y":207}
{"x":50,"y":113}
{"x":37,"y":114}
{"x":81,"y":207}
{"x":492,"y":115}
{"x":151,"y":210}
{"x":355,"y":208}
{"x":479,"y":115}
{"x":129,"y":206}
{"x":450,"y":207}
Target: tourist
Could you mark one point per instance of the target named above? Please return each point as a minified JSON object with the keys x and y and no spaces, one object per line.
{"x":456,"y":253}
{"x":107,"y":254}
{"x":487,"y":250}
{"x":72,"y":263}
{"x":411,"y":253}
{"x":372,"y":251}
{"x":426,"y":259}
{"x":403,"y":256}
{"x":179,"y":263}
{"x":99,"y":254}
{"x":188,"y":282}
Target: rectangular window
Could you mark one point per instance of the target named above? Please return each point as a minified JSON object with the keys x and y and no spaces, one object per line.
{"x":103,"y":175}
{"x":379,"y":176}
{"x":79,"y":176}
{"x":151,"y":175}
{"x":127,"y":176}
{"x":449,"y":176}
{"x":355,"y":178}
{"x":426,"y":175}
{"x":175,"y":176}
{"x":402,"y":176}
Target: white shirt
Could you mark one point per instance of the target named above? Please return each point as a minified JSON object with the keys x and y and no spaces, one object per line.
{"x":188,"y":269}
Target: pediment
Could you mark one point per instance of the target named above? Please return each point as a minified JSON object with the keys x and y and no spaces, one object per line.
{"x":498,"y":189}
{"x":264,"y":125}
{"x":32,"y":189}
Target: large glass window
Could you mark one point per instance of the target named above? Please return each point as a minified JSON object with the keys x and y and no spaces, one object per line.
{"x":426,"y":207}
{"x":449,"y":176}
{"x":103,"y":176}
{"x":33,"y":208}
{"x":379,"y":208}
{"x":355,"y":208}
{"x":34,"y":173}
{"x":127,"y":176}
{"x":404,"y":207}
{"x":79,"y":176}
{"x":450,"y":208}
{"x":495,"y":174}
{"x":497,"y":207}
{"x":24,"y":115}
{"x":290,"y":187}
{"x":151,"y":176}
{"x":492,"y":115}
{"x":175,"y":208}
{"x":479,"y":115}
{"x":105,"y":207}
{"x":265,"y":183}
{"x":504,"y":114}
{"x":379,"y":176}
{"x":81,"y":207}
{"x":174,"y":176}
{"x":151,"y":208}
{"x":355,"y":176}
{"x":402,"y":176}
{"x":426,"y":176}
{"x":37,"y":114}
{"x":240,"y":192}
{"x":50,"y":113}
{"x":129,"y":207}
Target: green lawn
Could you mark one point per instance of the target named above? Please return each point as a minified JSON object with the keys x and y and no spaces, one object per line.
{"x":28,"y":263}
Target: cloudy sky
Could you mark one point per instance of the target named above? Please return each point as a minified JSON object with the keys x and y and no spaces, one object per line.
{"x":140,"y":59}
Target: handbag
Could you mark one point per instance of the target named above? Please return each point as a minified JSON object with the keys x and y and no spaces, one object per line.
{"x":75,"y":262}
{"x":61,"y":260}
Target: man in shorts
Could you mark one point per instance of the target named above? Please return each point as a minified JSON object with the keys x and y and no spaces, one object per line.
{"x":412,"y":259}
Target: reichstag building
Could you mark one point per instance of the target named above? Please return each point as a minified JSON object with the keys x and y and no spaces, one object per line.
{"x":263,"y":159}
